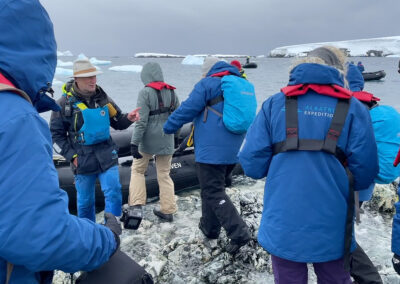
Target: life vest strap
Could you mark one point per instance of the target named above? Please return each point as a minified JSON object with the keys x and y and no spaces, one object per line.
{"x":161,"y":108}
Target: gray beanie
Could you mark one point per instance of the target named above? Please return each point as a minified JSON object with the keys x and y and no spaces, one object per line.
{"x":208,"y":63}
{"x":328,"y":56}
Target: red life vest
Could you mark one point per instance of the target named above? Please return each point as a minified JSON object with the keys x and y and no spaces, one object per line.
{"x":221,"y":74}
{"x":160,"y":85}
{"x":6,"y":85}
{"x":5,"y":81}
{"x":327,"y":90}
{"x":365,"y":97}
{"x":161,"y":108}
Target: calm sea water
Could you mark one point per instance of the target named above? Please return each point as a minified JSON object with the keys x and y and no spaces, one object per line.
{"x":268,"y":78}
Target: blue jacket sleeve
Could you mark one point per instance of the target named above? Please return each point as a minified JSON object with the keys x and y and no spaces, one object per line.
{"x":36,"y":229}
{"x":188,"y":110}
{"x":361,"y":148}
{"x":256,"y":152}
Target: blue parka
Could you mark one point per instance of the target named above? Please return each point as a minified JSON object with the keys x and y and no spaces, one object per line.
{"x":306,"y":193}
{"x":214,"y":144}
{"x":37,"y":233}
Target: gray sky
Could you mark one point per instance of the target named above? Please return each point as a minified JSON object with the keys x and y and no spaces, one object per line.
{"x":126,"y":27}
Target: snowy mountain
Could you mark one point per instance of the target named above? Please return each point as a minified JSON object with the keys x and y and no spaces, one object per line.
{"x":384,"y":46}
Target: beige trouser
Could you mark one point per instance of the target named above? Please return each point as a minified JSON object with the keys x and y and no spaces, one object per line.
{"x":137,"y":186}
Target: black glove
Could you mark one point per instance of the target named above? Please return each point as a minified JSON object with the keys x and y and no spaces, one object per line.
{"x":135,"y":152}
{"x":112,"y":223}
{"x":396,"y":263}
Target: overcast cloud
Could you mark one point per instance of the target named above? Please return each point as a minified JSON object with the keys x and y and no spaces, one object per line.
{"x":126,"y":27}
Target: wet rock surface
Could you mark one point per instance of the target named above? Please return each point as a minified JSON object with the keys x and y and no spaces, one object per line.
{"x":178,"y":252}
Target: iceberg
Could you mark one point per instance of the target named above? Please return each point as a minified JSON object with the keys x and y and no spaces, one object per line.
{"x":61,"y":63}
{"x":64,"y":53}
{"x":127,"y":68}
{"x":96,"y":61}
{"x":383,"y":46}
{"x":81,"y":56}
{"x":193,"y":60}
{"x":64,"y":72}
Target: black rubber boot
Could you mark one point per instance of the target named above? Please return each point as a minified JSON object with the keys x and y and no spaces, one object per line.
{"x":165,"y":217}
{"x":233,"y":247}
{"x":205,"y":233}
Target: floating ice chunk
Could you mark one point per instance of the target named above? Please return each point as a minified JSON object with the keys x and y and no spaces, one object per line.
{"x":96,"y":61}
{"x":193,"y":60}
{"x":63,"y":71}
{"x":81,"y":56}
{"x":127,"y":68}
{"x":64,"y":53}
{"x":61,"y":63}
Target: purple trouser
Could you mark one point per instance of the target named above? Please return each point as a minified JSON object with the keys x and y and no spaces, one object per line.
{"x":331,"y":272}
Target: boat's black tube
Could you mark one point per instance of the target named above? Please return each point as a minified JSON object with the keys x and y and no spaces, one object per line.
{"x":183,"y":174}
{"x":368,"y":76}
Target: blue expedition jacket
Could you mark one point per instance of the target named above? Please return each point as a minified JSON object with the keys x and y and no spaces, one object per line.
{"x":214,"y":144}
{"x":37,"y":233}
{"x":305,"y":198}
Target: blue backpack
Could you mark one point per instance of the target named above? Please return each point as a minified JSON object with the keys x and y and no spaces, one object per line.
{"x":240,"y":104}
{"x":386,"y":124}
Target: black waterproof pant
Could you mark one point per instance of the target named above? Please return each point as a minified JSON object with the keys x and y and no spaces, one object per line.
{"x":217,"y":208}
{"x":362,"y":269}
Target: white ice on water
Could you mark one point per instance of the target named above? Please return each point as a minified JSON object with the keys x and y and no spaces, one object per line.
{"x":64,"y":53}
{"x":127,"y":68}
{"x":63,"y":72}
{"x":389,"y":46}
{"x":193,"y":60}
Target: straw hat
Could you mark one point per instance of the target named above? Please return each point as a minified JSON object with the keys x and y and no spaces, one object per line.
{"x":83,"y":68}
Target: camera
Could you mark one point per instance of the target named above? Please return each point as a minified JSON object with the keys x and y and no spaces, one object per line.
{"x":132,"y":216}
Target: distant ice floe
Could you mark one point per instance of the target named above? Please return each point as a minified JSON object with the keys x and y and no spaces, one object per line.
{"x":96,"y":61}
{"x":193,"y":60}
{"x":64,"y":72}
{"x":384,"y":46}
{"x":157,"y":55}
{"x":64,"y":53}
{"x":127,"y":68}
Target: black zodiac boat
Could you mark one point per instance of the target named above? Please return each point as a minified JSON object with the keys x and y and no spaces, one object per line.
{"x":250,"y":65}
{"x":183,"y":169}
{"x":369,"y":76}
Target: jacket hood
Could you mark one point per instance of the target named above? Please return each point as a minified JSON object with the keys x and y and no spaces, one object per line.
{"x":28,"y":49}
{"x":151,"y":72}
{"x":222,"y":66}
{"x":312,"y":73}
{"x":355,"y":78}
